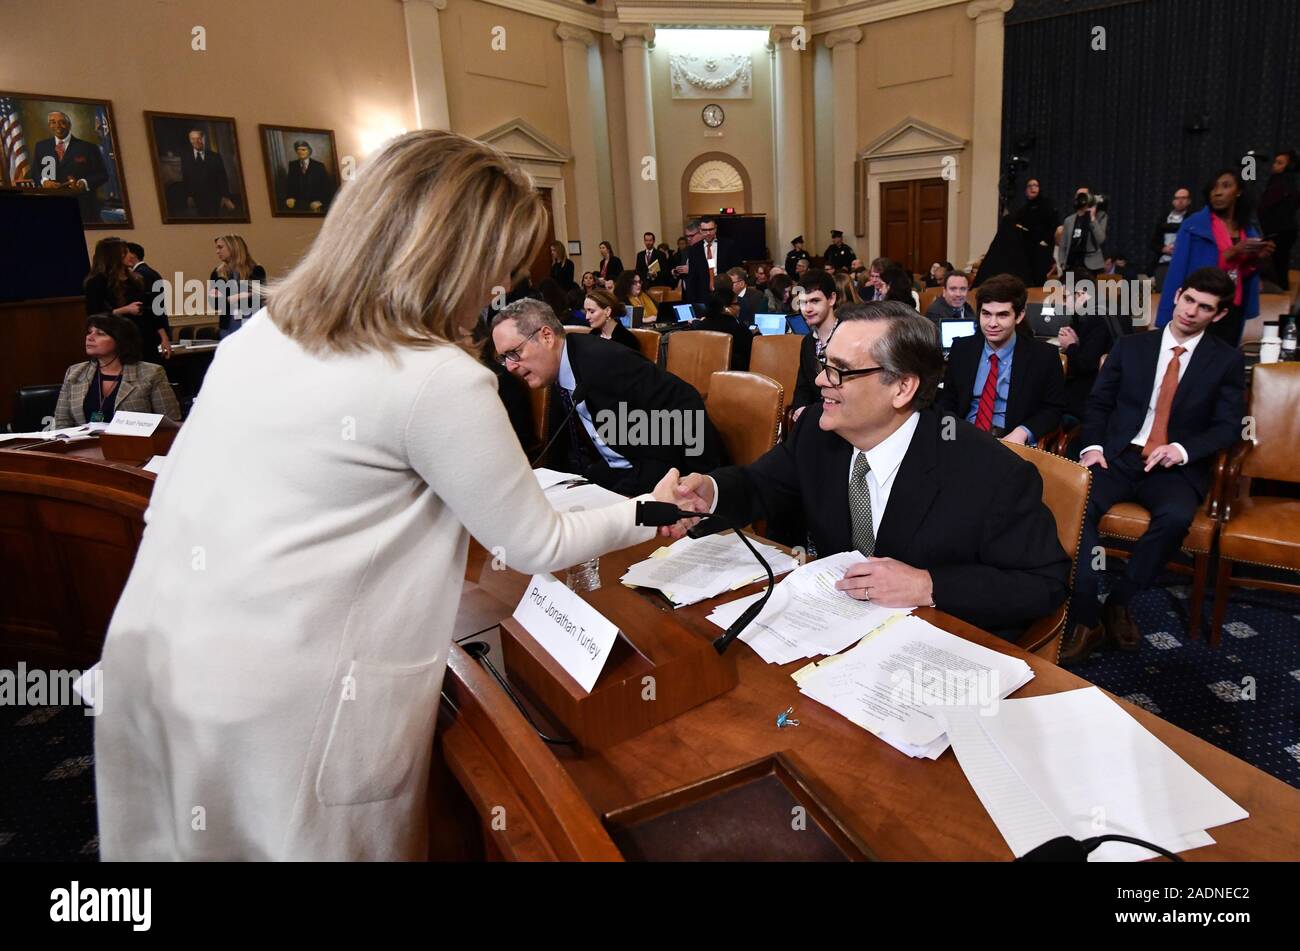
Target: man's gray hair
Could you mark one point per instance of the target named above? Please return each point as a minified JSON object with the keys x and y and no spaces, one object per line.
{"x":529,"y":315}
{"x":58,"y":112}
{"x":693,"y":224}
{"x":909,"y":346}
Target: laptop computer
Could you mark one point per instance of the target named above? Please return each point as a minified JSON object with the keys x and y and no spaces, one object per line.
{"x":770,"y":324}
{"x":797,"y":324}
{"x":638,"y":317}
{"x":626,"y":321}
{"x":951,"y":330}
{"x":1044,"y":320}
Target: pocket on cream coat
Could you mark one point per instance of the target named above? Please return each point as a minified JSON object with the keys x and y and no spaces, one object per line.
{"x":383,"y":718}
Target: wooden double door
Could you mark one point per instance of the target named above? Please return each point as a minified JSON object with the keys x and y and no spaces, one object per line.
{"x":914,"y":222}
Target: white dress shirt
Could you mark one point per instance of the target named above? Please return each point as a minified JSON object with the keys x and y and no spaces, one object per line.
{"x":711,"y":255}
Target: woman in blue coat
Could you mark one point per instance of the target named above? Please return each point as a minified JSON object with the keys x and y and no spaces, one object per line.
{"x":1222,"y":235}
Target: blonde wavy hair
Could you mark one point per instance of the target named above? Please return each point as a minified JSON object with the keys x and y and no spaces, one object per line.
{"x":412,"y":247}
{"x":241,"y":259}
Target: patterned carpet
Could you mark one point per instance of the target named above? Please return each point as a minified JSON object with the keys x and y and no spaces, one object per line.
{"x":47,"y":797}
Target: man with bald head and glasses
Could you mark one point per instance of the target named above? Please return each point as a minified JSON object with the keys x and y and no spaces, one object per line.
{"x":941,"y":513}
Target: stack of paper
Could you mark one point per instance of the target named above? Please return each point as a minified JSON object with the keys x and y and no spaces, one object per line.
{"x":72,"y":432}
{"x":569,"y":492}
{"x":894,"y":683}
{"x":1076,"y":764}
{"x":806,"y":615}
{"x":694,"y":569}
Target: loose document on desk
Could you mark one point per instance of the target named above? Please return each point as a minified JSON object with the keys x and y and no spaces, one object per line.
{"x":695,"y":569}
{"x":569,"y":492}
{"x":891,"y":683}
{"x":806,"y":615}
{"x":1076,"y":763}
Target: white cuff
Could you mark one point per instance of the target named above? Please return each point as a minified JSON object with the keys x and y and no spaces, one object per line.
{"x":714,"y":506}
{"x":1179,"y":447}
{"x":1087,"y":449}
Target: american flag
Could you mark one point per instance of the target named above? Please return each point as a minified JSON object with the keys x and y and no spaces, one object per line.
{"x":13,"y":148}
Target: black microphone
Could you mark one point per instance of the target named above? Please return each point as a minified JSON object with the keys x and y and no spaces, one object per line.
{"x":1066,"y":849}
{"x":665,"y":513}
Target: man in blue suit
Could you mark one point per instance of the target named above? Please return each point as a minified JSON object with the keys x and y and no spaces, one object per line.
{"x":1164,"y":404}
{"x":64,"y":160}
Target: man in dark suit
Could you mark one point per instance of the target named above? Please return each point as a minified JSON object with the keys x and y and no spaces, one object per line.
{"x":1084,"y":341}
{"x":203,"y":175}
{"x":942,"y":514}
{"x":708,"y":258}
{"x":616,"y":418}
{"x":308,"y":186}
{"x":952,"y":303}
{"x":648,"y":256}
{"x":1003,"y":381}
{"x":749,"y":300}
{"x":155,"y":289}
{"x":1164,"y":405}
{"x":65,"y":160}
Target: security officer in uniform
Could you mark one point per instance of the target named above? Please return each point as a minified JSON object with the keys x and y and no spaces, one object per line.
{"x":839,"y":255}
{"x":792,"y":257}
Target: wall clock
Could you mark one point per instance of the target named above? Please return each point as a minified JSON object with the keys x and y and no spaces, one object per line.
{"x":713,"y":115}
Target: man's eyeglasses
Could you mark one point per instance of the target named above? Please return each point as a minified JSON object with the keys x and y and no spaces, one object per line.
{"x":514,"y":356}
{"x":836,"y":377}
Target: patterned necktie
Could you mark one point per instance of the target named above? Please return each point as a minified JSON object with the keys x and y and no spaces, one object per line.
{"x":581,"y":448}
{"x":864,"y":532}
{"x":984,"y":415}
{"x":1164,"y":401}
{"x":58,"y":149}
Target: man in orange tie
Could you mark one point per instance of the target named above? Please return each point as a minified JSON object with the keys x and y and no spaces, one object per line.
{"x":1164,"y":404}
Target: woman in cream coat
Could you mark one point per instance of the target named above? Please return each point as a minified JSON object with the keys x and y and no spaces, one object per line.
{"x":272,"y":672}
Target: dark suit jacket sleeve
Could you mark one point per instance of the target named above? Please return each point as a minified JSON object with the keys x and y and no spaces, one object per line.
{"x":96,"y":175}
{"x":805,"y":388}
{"x":1102,"y":399}
{"x":1094,"y":341}
{"x":1049,"y":401}
{"x":1224,"y":427}
{"x":1023,"y":573}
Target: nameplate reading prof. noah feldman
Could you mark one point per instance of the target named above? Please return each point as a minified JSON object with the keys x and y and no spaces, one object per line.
{"x":568,"y":628}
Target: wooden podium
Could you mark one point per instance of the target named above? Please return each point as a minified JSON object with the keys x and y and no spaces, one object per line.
{"x":656,"y":669}
{"x":138,"y":450}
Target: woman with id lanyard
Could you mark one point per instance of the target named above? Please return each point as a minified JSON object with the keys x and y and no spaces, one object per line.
{"x":113,"y":378}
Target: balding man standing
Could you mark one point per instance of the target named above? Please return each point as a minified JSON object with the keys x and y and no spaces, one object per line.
{"x":616,"y":418}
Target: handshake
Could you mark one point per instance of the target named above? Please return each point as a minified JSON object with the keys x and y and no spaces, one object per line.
{"x":694,"y":493}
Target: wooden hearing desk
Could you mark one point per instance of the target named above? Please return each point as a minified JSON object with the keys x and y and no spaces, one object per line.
{"x":901,"y":808}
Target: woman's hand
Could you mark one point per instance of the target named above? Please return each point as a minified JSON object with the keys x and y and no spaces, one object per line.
{"x":130,"y":310}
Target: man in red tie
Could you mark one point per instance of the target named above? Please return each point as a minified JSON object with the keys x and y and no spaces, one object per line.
{"x":708,"y":258}
{"x":64,"y":161}
{"x":1164,"y":404}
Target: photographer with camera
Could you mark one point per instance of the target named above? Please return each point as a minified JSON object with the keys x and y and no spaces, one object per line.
{"x":1084,"y":232}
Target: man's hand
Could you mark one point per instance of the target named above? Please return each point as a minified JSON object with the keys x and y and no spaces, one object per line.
{"x":166,"y":347}
{"x":888,"y":583}
{"x":694,"y":493}
{"x":1166,"y":249}
{"x":1093,"y":458}
{"x":1018,"y":436}
{"x":1166,"y":455}
{"x":227,"y":204}
{"x":1068,"y":337}
{"x":668,"y":490}
{"x":290,"y":202}
{"x":315,"y":206}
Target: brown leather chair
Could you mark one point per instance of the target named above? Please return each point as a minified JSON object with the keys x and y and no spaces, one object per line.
{"x":540,"y":402}
{"x":1260,"y":529}
{"x":672,"y":295}
{"x":695,"y":355}
{"x":657,"y":293}
{"x":1036,"y":295}
{"x":777,"y":357}
{"x":929,"y":296}
{"x":1065,"y":362}
{"x":746,"y":408}
{"x":577,"y":330}
{"x":648,"y":341}
{"x":1065,"y":493}
{"x":490,"y":765}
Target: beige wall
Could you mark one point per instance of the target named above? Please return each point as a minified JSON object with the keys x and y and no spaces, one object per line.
{"x":487,"y":87}
{"x":343,"y":68}
{"x":681,"y":135}
{"x":920,"y":65}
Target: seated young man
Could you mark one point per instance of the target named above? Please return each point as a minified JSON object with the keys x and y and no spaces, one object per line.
{"x":1165,"y":403}
{"x":1003,"y":380}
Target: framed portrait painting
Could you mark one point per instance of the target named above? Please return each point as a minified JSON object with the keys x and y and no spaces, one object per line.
{"x":68,"y":144}
{"x":302,"y":170}
{"x":196,"y":168}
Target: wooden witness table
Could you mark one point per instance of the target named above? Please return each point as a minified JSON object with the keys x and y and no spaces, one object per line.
{"x":902,"y":808}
